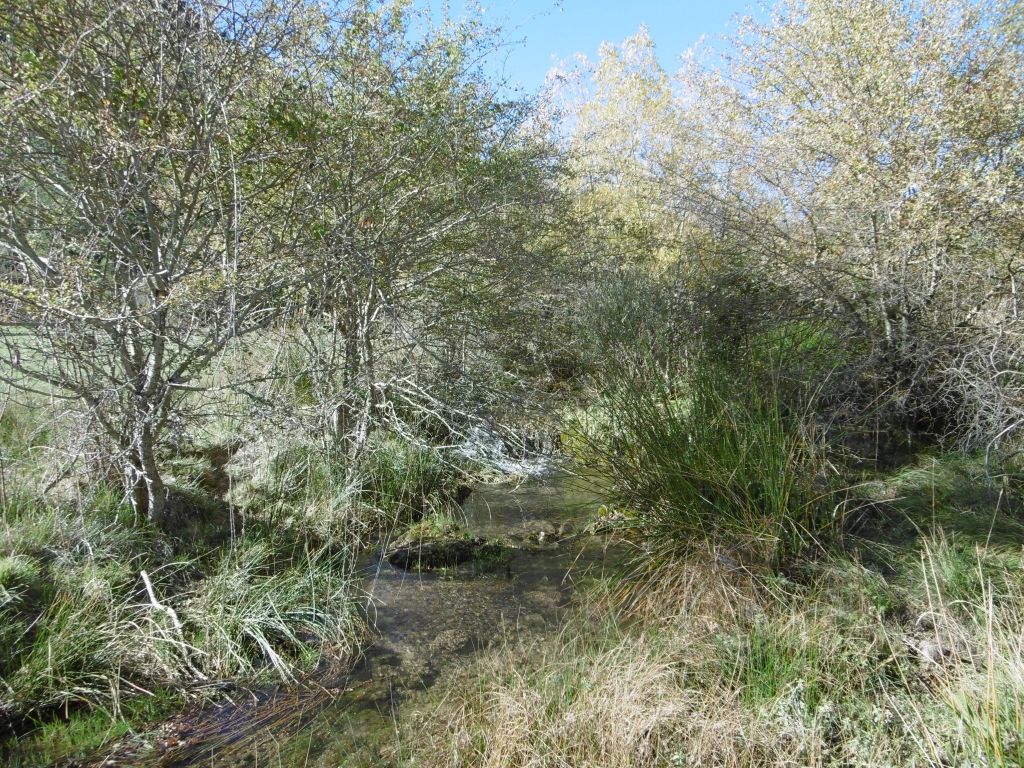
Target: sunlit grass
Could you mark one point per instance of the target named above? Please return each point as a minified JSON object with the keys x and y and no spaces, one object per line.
{"x":707,"y":461}
{"x":714,"y":668}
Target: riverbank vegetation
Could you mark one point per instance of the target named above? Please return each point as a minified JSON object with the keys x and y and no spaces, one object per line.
{"x":247,"y":291}
{"x":902,"y":647}
{"x":271,"y":275}
{"x":810,"y":452}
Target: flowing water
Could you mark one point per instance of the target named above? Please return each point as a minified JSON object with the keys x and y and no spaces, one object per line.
{"x":423,"y":624}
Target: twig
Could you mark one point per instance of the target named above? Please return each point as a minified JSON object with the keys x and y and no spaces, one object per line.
{"x":175,"y":621}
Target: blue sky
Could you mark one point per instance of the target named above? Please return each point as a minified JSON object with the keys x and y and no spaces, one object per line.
{"x":550,"y":30}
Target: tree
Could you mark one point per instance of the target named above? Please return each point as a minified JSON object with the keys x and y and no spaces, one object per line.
{"x":145,"y":190}
{"x":429,"y":199}
{"x":865,"y":155}
{"x":622,"y":114}
{"x":883,"y":145}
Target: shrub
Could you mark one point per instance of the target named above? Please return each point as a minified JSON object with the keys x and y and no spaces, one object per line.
{"x":705,"y":462}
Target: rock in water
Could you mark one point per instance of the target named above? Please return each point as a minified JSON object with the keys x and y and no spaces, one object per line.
{"x":426,"y":555}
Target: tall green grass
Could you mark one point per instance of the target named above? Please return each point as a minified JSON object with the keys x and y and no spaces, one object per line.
{"x":318,"y":490}
{"x":95,"y":611}
{"x":264,"y":612}
{"x":712,"y":460}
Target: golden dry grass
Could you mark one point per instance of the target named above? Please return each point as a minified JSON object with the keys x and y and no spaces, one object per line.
{"x":708,"y":668}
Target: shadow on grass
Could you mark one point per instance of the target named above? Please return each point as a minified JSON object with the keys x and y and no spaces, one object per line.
{"x":954,"y":495}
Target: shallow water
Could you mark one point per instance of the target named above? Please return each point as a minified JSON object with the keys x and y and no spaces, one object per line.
{"x":423,"y":624}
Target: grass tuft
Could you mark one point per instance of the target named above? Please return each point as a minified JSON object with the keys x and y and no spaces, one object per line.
{"x":95,"y":612}
{"x":706,"y":463}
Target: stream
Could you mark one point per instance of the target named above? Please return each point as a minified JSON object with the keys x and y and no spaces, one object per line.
{"x":423,"y":624}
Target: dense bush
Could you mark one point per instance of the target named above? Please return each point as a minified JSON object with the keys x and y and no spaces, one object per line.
{"x":711,"y":461}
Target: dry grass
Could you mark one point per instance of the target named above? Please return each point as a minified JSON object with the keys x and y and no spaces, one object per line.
{"x":712,"y":668}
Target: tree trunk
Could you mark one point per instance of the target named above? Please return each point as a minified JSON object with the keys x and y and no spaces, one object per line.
{"x":145,"y":487}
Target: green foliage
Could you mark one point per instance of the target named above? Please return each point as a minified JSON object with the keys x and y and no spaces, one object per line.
{"x":986,"y":699}
{"x":321,"y":490}
{"x":846,"y":160}
{"x":714,"y":461}
{"x":371,"y":173}
{"x":84,"y":732}
{"x":957,"y":575}
{"x":261,"y":611}
{"x":971,"y":495}
{"x":15,"y":431}
{"x":17,"y":572}
{"x":630,"y":321}
{"x":294,"y":476}
{"x":75,"y":655}
{"x":400,"y":474}
{"x":991,"y":710}
{"x":59,"y":740}
{"x":82,"y":626}
{"x":772,"y":660}
{"x":438,"y":524}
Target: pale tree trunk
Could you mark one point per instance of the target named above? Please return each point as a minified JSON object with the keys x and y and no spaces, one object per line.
{"x":143,"y":483}
{"x":353,"y":417}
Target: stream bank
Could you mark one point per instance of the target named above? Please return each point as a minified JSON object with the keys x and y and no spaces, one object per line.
{"x":423,"y":623}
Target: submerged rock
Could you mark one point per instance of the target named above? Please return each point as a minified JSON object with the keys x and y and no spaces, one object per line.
{"x":433,"y":553}
{"x":535,"y":532}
